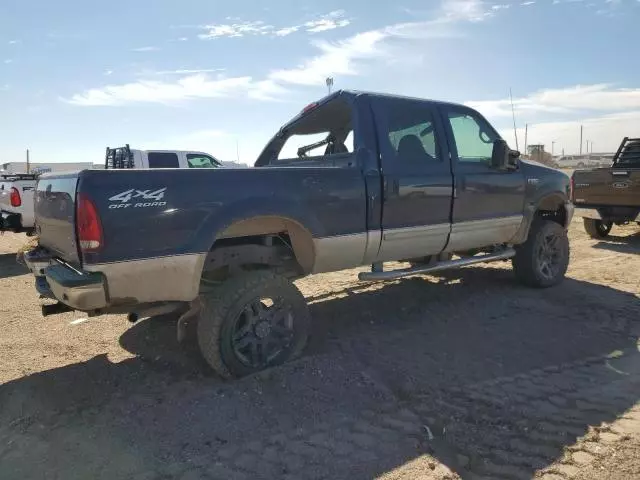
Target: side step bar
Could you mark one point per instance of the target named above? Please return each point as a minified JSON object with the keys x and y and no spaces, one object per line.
{"x":451,"y":264}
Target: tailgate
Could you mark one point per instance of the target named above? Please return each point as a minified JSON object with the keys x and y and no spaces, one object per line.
{"x":607,"y":186}
{"x":55,"y":215}
{"x":5,"y":196}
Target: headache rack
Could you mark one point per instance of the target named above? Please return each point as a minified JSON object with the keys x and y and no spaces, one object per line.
{"x":628,"y":152}
{"x":118,"y":158}
{"x":19,"y":176}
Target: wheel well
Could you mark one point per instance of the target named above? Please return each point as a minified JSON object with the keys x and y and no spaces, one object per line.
{"x":277,"y":243}
{"x":553,"y":208}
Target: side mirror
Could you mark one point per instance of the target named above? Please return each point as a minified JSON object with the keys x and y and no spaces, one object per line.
{"x":502,"y":157}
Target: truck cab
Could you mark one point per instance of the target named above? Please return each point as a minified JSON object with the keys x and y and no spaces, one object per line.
{"x":126,"y":157}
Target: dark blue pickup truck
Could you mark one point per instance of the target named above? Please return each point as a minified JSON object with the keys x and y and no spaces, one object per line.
{"x":354,"y":179}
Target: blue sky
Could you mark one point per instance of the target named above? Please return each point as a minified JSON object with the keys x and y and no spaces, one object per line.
{"x":76,"y":76}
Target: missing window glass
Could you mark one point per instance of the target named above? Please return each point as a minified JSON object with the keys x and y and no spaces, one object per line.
{"x":326,"y":130}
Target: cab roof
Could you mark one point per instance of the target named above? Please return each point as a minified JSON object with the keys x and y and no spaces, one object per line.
{"x":351,"y":95}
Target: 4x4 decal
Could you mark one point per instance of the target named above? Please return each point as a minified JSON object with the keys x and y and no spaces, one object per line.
{"x":125,"y":198}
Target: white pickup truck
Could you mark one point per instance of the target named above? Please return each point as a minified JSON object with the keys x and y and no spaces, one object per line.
{"x":17,"y":190}
{"x":125,"y":157}
{"x":16,"y":202}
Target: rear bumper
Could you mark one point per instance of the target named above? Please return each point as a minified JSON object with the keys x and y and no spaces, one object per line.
{"x":11,"y":222}
{"x":594,"y":214}
{"x":80,"y":290}
{"x":85,"y":291}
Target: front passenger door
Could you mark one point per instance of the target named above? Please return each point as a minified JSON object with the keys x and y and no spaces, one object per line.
{"x":488,"y":202}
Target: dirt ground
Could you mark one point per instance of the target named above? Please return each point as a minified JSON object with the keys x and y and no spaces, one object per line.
{"x":464,"y":375}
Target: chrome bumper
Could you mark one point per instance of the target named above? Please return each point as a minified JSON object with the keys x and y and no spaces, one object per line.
{"x":85,"y":291}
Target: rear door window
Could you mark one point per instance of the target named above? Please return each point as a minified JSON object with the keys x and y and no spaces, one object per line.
{"x":163,"y":160}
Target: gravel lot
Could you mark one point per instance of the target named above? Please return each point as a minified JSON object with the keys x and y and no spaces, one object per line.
{"x":462,"y":375}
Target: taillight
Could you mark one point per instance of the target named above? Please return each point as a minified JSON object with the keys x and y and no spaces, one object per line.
{"x":88,"y":225}
{"x":571,"y":186}
{"x":16,"y":201}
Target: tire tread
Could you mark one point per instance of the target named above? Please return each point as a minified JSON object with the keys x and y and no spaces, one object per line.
{"x":216,"y":308}
{"x":524,"y":263}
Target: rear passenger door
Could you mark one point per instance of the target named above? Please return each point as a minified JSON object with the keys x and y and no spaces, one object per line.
{"x":417,"y":179}
{"x":163,"y":160}
{"x":488,"y":202}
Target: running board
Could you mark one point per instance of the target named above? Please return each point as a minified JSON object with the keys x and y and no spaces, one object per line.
{"x":451,"y":264}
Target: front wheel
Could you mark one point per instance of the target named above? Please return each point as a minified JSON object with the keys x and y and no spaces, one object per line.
{"x":597,"y":228}
{"x":542,"y":260}
{"x":251,"y":322}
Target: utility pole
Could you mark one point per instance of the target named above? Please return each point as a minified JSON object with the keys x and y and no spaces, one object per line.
{"x":580,"y":139}
{"x":513,"y":112}
{"x":237,"y":151}
{"x":553,"y":144}
{"x":329,"y":84}
{"x":28,"y":165}
{"x":526,"y":132}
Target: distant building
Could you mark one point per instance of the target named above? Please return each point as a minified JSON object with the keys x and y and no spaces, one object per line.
{"x":21,"y":167}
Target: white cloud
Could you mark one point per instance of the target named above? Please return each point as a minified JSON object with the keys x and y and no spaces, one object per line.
{"x":340,"y":58}
{"x":145,"y":49}
{"x":335,"y":59}
{"x":108,"y":72}
{"x":344,"y":57}
{"x":500,"y":7}
{"x":186,"y":88}
{"x":283,"y":32}
{"x":8,"y":61}
{"x":464,"y":10}
{"x":526,"y":4}
{"x":578,"y":98}
{"x":331,"y":21}
{"x":188,"y":71}
{"x":13,"y":42}
{"x":236,"y":30}
{"x":326,"y":22}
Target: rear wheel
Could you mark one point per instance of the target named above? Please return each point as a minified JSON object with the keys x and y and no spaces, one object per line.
{"x":597,"y":228}
{"x":542,"y":260}
{"x":251,"y":322}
